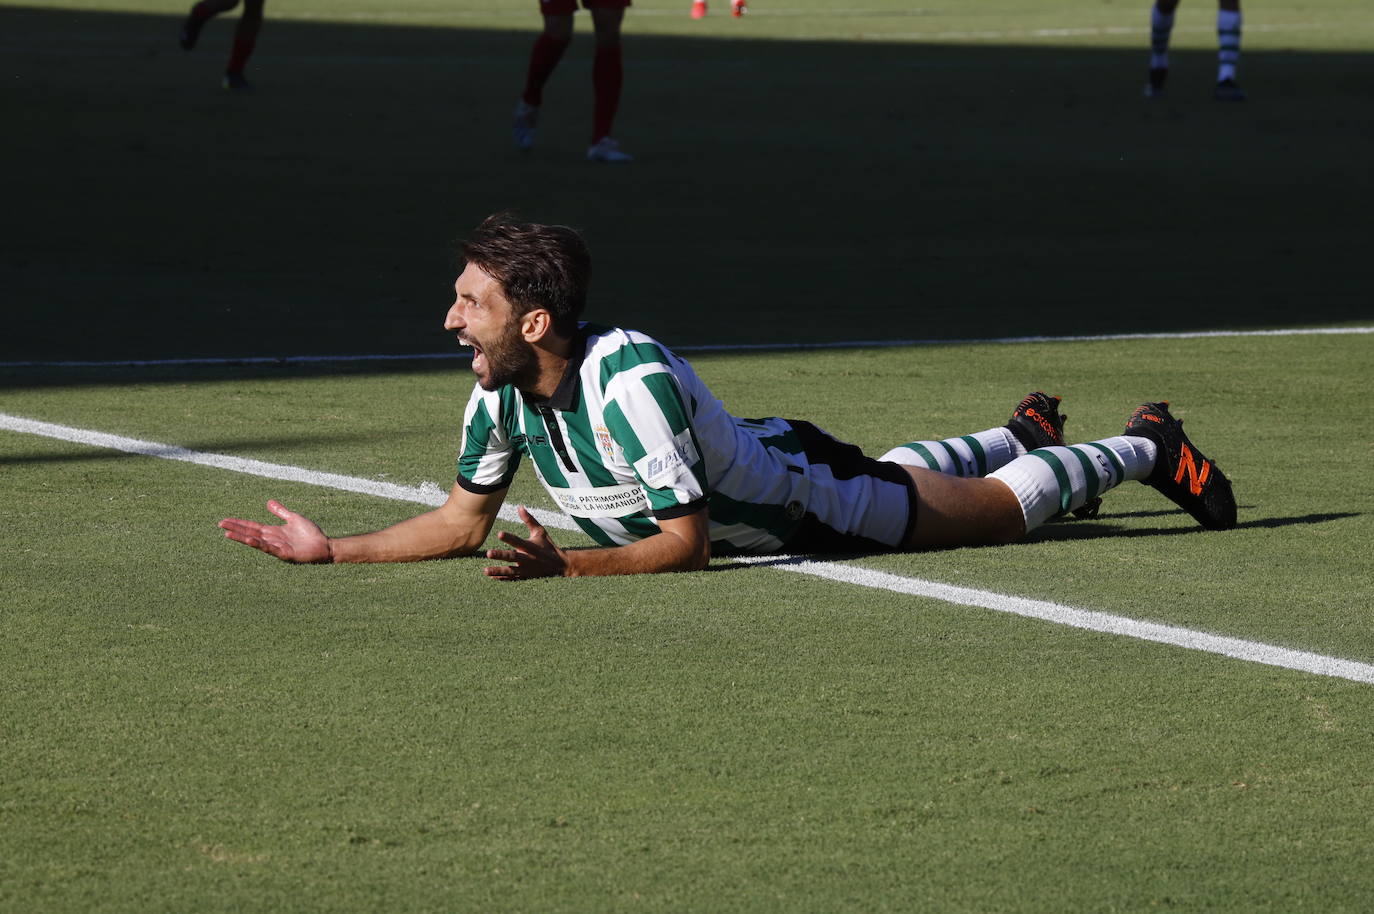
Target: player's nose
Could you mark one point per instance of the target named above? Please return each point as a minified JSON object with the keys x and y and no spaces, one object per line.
{"x":454,"y":319}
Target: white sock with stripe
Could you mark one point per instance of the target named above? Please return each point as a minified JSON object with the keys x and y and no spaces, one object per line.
{"x":968,"y":455}
{"x":1228,"y":43}
{"x":1055,"y":480}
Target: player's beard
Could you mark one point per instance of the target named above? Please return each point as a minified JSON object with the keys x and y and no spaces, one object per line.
{"x":509,"y":360}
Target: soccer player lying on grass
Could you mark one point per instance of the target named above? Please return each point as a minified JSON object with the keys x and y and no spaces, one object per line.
{"x":633,"y":446}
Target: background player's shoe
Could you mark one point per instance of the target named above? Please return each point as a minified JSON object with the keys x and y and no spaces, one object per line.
{"x":738,"y":8}
{"x":1186,"y":477}
{"x":698,"y":9}
{"x":1036,"y":421}
{"x":526,"y":116}
{"x":1228,"y":91}
{"x":235,"y":82}
{"x":607,"y":150}
{"x":1154,"y":85}
{"x":190,"y":32}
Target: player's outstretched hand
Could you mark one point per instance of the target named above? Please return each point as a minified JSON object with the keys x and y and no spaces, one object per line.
{"x":299,"y":540}
{"x":536,"y":557}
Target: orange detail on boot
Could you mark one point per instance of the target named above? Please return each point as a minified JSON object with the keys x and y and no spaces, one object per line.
{"x":1197,"y":477}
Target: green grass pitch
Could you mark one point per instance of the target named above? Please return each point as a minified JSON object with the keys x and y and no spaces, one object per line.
{"x":186,"y":725}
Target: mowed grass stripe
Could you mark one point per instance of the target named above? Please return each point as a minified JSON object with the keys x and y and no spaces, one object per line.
{"x":432,"y":495}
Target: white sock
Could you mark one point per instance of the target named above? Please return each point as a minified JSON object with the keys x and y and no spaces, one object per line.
{"x":1056,"y":480}
{"x":1228,"y":44}
{"x":969,"y":455}
{"x":1161,"y":26}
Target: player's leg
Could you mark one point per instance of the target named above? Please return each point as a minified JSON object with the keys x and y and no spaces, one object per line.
{"x":951,"y":511}
{"x":1049,"y":482}
{"x":200,"y":14}
{"x":608,"y":75}
{"x":1228,"y":51}
{"x":1161,"y":28}
{"x":1028,"y":491}
{"x":969,"y":456}
{"x":544,"y":57}
{"x":1036,"y":422}
{"x":245,"y":39}
{"x":698,"y":9}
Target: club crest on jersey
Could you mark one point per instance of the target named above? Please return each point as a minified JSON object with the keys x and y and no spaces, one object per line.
{"x":603,"y":437}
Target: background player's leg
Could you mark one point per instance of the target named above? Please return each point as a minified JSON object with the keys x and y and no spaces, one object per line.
{"x":544,"y":57}
{"x":608,"y":74}
{"x":1161,"y":27}
{"x":245,"y":39}
{"x":1228,"y":51}
{"x":199,"y":15}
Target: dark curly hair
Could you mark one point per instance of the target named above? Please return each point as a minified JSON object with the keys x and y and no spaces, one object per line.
{"x":538,"y":266}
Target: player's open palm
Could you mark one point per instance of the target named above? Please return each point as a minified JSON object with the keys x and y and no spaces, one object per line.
{"x":298,"y":540}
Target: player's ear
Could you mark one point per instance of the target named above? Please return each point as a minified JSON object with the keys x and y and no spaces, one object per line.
{"x":536,"y":324}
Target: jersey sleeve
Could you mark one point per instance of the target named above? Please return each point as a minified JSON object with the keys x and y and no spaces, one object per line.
{"x":489,"y":456}
{"x":646,"y":414}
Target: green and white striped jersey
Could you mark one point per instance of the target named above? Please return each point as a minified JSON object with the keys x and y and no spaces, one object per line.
{"x":631,"y":436}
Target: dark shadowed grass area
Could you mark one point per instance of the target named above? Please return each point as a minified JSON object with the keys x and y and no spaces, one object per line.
{"x":785,"y":190}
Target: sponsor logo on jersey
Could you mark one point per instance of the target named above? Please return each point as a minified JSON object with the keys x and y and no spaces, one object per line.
{"x":661,"y":468}
{"x":603,"y":501}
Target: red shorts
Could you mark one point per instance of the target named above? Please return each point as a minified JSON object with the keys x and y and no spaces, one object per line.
{"x":568,"y":7}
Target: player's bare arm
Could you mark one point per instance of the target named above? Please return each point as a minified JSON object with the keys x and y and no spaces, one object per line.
{"x":684,"y":544}
{"x":456,"y":528}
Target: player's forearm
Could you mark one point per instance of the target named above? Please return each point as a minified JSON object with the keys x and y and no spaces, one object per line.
{"x":421,"y":538}
{"x":664,"y":552}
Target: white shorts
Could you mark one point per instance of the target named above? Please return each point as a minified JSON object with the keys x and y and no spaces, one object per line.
{"x":857,"y":503}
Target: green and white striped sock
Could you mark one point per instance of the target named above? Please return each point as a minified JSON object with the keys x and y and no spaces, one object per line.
{"x":968,"y":455}
{"x":1055,"y":480}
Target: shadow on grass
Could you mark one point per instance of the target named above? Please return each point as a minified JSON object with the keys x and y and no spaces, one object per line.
{"x":1098,"y":529}
{"x":1077,"y":530}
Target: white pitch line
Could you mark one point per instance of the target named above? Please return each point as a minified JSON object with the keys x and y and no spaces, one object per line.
{"x":713,"y":347}
{"x":1239,"y":648}
{"x":1067,"y":32}
{"x":430,"y":494}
